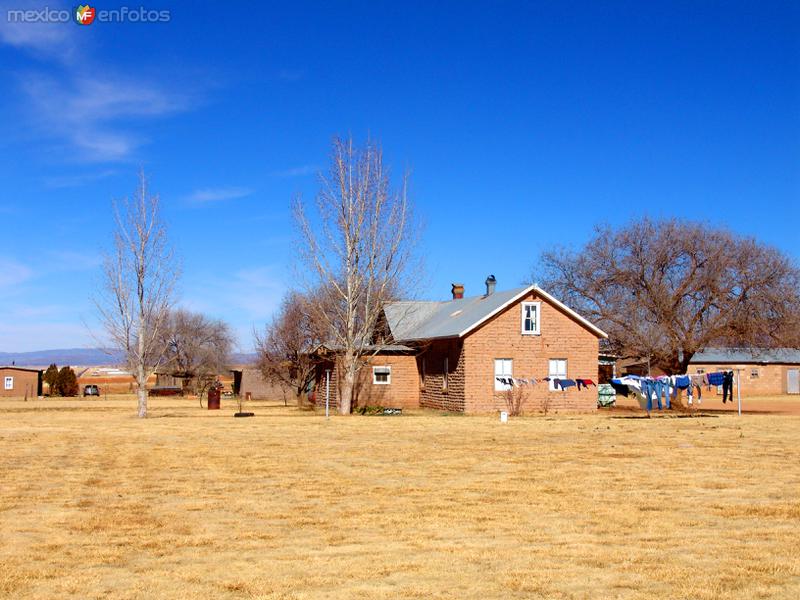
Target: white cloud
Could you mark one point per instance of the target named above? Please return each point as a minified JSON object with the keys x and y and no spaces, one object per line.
{"x":76,"y":180}
{"x":296,"y":171}
{"x":93,"y":114}
{"x":46,"y":40}
{"x":218,"y":194}
{"x":14,"y":273}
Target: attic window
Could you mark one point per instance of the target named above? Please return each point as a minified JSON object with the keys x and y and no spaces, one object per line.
{"x":456,"y":313}
{"x":530,"y":318}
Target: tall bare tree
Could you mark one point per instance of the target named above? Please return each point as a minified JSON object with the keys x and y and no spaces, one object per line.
{"x":139,"y":286}
{"x":285,"y":350}
{"x":197,"y":347}
{"x":666,"y":289}
{"x":358,"y":246}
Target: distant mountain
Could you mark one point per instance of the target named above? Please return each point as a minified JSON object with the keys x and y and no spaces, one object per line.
{"x":85,"y":357}
{"x":62,"y":356}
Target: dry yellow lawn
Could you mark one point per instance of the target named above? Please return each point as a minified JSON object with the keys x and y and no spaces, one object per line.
{"x":190,"y":504}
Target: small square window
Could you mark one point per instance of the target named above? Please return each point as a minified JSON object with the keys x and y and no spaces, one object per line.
{"x":9,"y":383}
{"x":557,"y":370}
{"x":700,"y":371}
{"x":530,"y":318}
{"x":754,"y":373}
{"x":503,"y":373}
{"x":381,"y":375}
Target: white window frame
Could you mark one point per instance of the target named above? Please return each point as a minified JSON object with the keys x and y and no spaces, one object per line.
{"x":8,"y":382}
{"x":503,"y":367}
{"x":538,"y":322}
{"x":555,"y":370}
{"x":387,"y":369}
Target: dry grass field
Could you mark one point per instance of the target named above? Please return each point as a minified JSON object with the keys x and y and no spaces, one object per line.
{"x":195,"y":504}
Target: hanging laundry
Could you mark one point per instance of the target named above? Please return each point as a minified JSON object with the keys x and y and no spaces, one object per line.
{"x":681,"y":381}
{"x":727,"y":387}
{"x":584,"y":382}
{"x":717,"y":378}
{"x":619,"y":388}
{"x":565,"y":383}
{"x":533,"y":381}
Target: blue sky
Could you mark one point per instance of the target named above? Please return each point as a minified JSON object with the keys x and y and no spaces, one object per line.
{"x":523,"y":125}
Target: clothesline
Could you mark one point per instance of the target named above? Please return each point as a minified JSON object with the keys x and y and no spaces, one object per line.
{"x":668,"y":385}
{"x":558,"y":382}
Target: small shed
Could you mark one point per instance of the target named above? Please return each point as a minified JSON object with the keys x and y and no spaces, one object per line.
{"x":19,"y":382}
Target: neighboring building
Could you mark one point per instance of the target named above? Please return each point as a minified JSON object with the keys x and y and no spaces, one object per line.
{"x":449,"y":355}
{"x":761,"y":371}
{"x":249,"y":380}
{"x":18,"y":382}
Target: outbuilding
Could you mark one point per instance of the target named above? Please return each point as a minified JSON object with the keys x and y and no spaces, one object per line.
{"x":19,"y":382}
{"x":761,"y":371}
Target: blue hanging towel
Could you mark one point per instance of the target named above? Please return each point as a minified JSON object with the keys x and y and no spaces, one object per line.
{"x":717,"y":378}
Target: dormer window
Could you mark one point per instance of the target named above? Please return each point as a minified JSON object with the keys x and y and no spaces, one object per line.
{"x":531,"y":313}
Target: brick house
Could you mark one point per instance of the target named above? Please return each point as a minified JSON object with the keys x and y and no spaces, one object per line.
{"x":16,"y":382}
{"x":448,"y":355}
{"x":761,"y":371}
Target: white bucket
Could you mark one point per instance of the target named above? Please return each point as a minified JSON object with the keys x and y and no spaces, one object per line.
{"x":504,"y":417}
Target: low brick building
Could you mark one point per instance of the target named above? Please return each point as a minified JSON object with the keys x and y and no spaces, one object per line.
{"x":761,"y":371}
{"x":454,"y":355}
{"x":18,"y":382}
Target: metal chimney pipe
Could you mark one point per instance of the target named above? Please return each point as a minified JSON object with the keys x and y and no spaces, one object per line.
{"x":491,"y":282}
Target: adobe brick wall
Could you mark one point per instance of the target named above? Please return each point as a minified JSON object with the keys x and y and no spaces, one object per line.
{"x":561,"y":337}
{"x":261,"y":389}
{"x":771,"y":379}
{"x":24,"y":381}
{"x":402,"y":392}
{"x":433,"y":393}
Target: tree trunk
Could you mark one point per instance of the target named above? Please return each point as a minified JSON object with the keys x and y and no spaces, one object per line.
{"x":346,"y":391}
{"x":141,"y":380}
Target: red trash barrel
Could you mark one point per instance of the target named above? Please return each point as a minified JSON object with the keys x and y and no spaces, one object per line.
{"x":213,"y":398}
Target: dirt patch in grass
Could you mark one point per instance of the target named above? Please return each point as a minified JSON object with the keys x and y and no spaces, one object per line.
{"x":197,"y":504}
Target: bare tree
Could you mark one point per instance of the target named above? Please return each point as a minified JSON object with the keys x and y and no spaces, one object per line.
{"x":666,"y":289}
{"x":515,"y":398}
{"x":138,"y":290}
{"x":358,"y":247}
{"x":285,"y":350}
{"x":198,"y":348}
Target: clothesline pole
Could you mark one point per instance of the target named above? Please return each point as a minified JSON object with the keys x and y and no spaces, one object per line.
{"x":739,"y":390}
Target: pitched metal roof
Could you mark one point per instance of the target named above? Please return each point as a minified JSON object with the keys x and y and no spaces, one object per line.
{"x":747,"y":355}
{"x":409,"y":320}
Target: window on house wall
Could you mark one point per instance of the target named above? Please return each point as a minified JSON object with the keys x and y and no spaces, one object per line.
{"x":381,"y":375}
{"x":557,"y":370}
{"x":754,"y":373}
{"x":9,"y":383}
{"x":445,"y":374}
{"x":530,"y":318}
{"x":700,"y":371}
{"x":503,"y":372}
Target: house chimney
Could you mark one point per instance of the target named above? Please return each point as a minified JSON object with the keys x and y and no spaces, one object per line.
{"x":458,"y":291}
{"x":490,"y":283}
